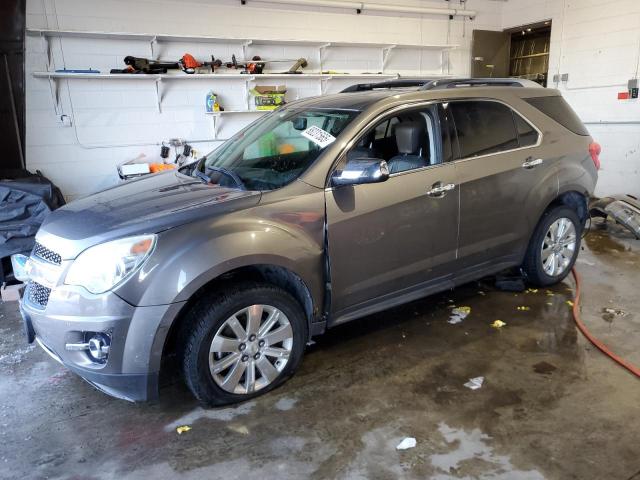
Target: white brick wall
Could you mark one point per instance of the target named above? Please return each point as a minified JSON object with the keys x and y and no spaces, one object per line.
{"x":118,"y":120}
{"x":597,"y":42}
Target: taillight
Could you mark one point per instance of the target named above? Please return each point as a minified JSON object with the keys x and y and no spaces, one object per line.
{"x":594,"y":151}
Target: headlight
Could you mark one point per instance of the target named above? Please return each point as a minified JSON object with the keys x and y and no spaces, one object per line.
{"x":102,"y":267}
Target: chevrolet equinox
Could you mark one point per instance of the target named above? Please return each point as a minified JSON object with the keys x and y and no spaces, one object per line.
{"x":325,"y":210}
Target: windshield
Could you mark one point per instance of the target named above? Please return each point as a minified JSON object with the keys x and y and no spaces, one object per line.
{"x":275,"y":150}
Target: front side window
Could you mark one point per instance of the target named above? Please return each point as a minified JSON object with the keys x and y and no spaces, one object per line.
{"x":406,"y":141}
{"x":276,"y":149}
{"x":483,"y":127}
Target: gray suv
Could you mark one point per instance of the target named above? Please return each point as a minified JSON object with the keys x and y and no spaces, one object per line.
{"x":326,"y":210}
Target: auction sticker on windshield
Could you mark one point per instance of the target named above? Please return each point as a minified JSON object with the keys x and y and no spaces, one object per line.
{"x":318,"y":136}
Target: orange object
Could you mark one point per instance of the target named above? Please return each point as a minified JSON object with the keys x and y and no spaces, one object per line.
{"x":160,"y":167}
{"x":599,"y":345}
{"x":286,"y":148}
{"x":141,"y":247}
{"x":189,"y":61}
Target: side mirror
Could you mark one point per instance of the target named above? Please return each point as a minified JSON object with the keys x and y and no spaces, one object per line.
{"x":361,"y":170}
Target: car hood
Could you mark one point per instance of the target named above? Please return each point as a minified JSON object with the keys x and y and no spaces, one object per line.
{"x":146,"y":205}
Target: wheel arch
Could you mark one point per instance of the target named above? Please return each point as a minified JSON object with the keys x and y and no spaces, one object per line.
{"x":574,"y":198}
{"x":270,"y":273}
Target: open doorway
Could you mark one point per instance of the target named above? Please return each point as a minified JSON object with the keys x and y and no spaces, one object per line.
{"x":529,"y":52}
{"x":520,"y":52}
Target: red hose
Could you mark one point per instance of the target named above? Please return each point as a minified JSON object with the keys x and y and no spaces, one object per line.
{"x":601,"y":346}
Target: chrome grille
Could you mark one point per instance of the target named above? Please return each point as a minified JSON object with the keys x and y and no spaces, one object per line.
{"x":44,"y":253}
{"x":38,"y":294}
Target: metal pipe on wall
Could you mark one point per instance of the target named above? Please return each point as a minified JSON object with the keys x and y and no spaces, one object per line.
{"x":375,"y":7}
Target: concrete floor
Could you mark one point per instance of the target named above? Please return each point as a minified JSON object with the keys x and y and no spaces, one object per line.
{"x":551,"y":405}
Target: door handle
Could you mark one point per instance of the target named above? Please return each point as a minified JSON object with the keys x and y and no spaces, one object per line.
{"x":439,"y":189}
{"x":531,"y":163}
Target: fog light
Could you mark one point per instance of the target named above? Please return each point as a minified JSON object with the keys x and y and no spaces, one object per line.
{"x":99,"y":347}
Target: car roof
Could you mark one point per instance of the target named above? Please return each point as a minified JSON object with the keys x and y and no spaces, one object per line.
{"x":362,"y":100}
{"x":347,"y":101}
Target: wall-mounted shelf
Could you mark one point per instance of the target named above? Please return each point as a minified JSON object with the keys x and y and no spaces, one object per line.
{"x":320,"y":52}
{"x":216,"y":117}
{"x":533,"y":55}
{"x":53,"y":77}
{"x":150,"y":37}
{"x":226,"y":112}
{"x":223,"y":76}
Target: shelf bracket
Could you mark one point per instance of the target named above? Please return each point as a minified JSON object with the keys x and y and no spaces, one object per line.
{"x":323,"y":84}
{"x":47,"y":48}
{"x":321,"y":49}
{"x":247,"y":95}
{"x":152,"y":45}
{"x":245,"y":45}
{"x":215,"y":119}
{"x":55,"y":94}
{"x":158,"y":82}
{"x":385,"y":55}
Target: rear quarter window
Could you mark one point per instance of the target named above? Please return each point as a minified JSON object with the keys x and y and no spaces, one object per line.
{"x":527,"y":135}
{"x":559,"y":110}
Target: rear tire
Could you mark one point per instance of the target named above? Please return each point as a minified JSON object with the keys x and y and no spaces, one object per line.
{"x":242,"y":343}
{"x":554,"y":247}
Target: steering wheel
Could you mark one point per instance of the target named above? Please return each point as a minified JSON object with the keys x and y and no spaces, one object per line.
{"x":232,"y":175}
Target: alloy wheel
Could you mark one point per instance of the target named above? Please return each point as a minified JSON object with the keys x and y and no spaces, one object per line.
{"x":558,"y":247}
{"x":250,"y":349}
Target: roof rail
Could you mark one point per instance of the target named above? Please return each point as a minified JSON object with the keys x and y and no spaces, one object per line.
{"x":479,"y":82}
{"x":432,"y":84}
{"x":361,"y":87}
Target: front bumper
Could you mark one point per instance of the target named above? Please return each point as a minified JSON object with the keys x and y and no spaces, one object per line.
{"x":137,"y":338}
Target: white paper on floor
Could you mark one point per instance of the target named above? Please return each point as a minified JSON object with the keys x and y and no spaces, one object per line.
{"x":407,"y":443}
{"x":458,"y":314}
{"x":474,"y":383}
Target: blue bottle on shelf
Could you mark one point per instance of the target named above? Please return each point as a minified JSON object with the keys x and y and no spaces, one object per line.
{"x":210,"y":101}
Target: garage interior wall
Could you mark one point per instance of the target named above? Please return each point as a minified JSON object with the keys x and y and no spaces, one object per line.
{"x":99,"y":124}
{"x":109,"y":117}
{"x":597,"y":43}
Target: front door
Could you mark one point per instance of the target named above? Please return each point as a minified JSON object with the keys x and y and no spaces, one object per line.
{"x":394,"y":240}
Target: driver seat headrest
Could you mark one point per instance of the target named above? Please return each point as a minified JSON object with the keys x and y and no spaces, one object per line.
{"x":409,"y":137}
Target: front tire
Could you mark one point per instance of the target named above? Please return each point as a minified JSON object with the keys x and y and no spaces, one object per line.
{"x":245,"y":342}
{"x":554,"y":247}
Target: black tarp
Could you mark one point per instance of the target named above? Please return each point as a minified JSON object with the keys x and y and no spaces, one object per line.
{"x":25,"y":201}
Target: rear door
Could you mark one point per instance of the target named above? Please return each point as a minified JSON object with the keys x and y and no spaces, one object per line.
{"x":392,"y":241}
{"x":499,"y":169}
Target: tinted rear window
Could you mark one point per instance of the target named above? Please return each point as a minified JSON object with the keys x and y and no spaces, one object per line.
{"x":558,"y":109}
{"x":527,"y":135}
{"x":483,"y":127}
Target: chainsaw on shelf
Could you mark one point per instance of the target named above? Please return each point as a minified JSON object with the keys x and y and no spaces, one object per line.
{"x":188,"y":64}
{"x":255,"y":66}
{"x":144,"y":65}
